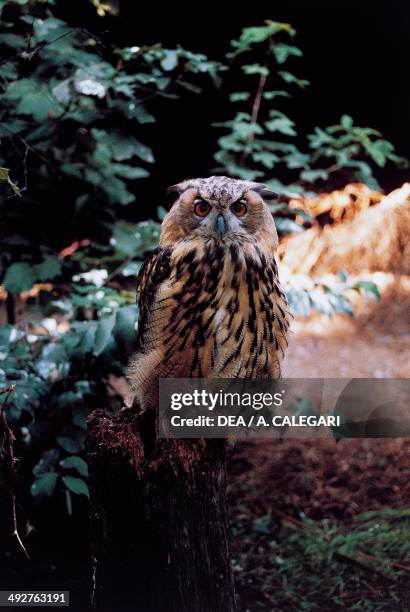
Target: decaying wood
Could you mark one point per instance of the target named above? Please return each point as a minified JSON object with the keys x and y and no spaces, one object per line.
{"x":159,"y":526}
{"x":377,"y":238}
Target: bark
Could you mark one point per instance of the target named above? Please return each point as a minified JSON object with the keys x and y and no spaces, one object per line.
{"x":159,"y":527}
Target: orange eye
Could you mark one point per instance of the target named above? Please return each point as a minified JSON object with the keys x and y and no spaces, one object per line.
{"x":201,"y":208}
{"x":239,"y":208}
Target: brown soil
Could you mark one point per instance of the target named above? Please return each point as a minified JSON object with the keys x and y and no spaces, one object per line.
{"x":280,"y":484}
{"x":322,"y":479}
{"x":325,"y":478}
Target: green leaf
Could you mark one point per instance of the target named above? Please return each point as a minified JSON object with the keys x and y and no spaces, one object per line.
{"x":74,"y":462}
{"x":368,"y":287}
{"x":282,"y":52}
{"x":62,"y":92}
{"x":283,"y":125}
{"x":259,"y":34}
{"x":79,"y":417}
{"x":239,"y":96}
{"x":311,"y":176}
{"x":19,"y":277}
{"x":288,"y":77}
{"x":76,"y":485}
{"x":103,"y":334}
{"x":55,"y":352}
{"x":131,"y":269}
{"x":340,"y":303}
{"x":143,"y":152}
{"x":363,"y":173}
{"x":271,"y":95}
{"x":51,"y":26}
{"x":49,"y":268}
{"x":346,"y":122}
{"x":287,"y":226}
{"x":116,"y":190}
{"x":12,"y":40}
{"x":318,"y":138}
{"x":32,"y":98}
{"x":46,"y":462}
{"x":123,"y":147}
{"x":255,"y":69}
{"x":135,"y":240}
{"x":130,"y":172}
{"x":87,"y":331}
{"x":4,"y":174}
{"x":379,"y":150}
{"x":73,"y":440}
{"x":124,"y":239}
{"x":44,"y":485}
{"x":142,"y":115}
{"x":170,"y":60}
{"x":267,"y":159}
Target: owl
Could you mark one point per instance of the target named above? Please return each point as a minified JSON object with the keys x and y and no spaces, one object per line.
{"x":210,"y":302}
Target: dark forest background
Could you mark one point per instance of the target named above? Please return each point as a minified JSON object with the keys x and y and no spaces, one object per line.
{"x":355,"y":56}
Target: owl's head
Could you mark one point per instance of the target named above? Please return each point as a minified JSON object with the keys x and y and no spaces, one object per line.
{"x":219,"y":208}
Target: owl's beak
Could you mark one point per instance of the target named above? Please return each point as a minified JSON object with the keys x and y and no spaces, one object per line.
{"x":220,"y":225}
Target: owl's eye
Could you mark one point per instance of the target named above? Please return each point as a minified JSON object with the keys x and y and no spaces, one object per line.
{"x":239,"y":208}
{"x":201,"y":208}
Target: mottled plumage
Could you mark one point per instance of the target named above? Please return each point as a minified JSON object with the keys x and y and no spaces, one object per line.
{"x":209,"y":296}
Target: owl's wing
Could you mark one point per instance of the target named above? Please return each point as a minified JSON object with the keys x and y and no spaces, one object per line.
{"x":155,"y":269}
{"x":144,"y":278}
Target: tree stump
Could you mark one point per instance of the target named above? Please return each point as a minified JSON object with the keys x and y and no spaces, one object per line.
{"x":159,"y":527}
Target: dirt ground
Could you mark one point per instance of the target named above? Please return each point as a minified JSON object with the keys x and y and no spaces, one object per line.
{"x":272,"y":484}
{"x":329,"y":478}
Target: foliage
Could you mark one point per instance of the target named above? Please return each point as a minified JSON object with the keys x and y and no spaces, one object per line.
{"x":128,"y":244}
{"x":343,"y":146}
{"x":254,"y":144}
{"x":74,"y":120}
{"x":75,"y":113}
{"x":327,"y":295}
{"x":22,"y":276}
{"x":260,"y":138}
{"x":60,"y":366}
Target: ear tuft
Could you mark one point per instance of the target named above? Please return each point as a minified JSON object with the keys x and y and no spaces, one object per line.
{"x":265,"y":192}
{"x":174,"y":189}
{"x":268,"y":194}
{"x":171,"y":194}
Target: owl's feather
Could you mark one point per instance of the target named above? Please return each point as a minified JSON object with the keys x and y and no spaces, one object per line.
{"x":209,"y":307}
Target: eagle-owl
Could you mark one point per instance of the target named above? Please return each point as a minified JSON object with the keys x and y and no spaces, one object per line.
{"x":210,"y":302}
